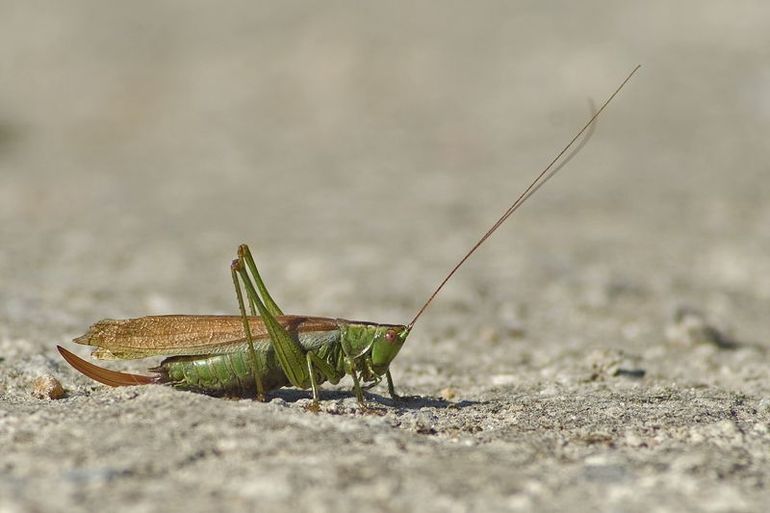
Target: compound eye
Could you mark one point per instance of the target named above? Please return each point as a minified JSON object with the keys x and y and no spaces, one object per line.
{"x":391,"y":336}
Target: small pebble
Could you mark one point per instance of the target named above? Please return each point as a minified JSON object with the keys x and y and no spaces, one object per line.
{"x":689,"y":328}
{"x":47,"y":387}
{"x":424,"y":423}
{"x":448,"y":393}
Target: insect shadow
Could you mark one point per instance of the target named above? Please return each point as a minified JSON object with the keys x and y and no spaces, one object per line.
{"x":410,"y":402}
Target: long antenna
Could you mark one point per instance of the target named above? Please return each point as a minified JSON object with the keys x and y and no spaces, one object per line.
{"x":538,"y":182}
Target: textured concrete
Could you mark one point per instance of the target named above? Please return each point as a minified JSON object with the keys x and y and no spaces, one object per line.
{"x":608,"y":350}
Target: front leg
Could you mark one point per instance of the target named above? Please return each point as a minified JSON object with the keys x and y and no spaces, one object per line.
{"x":391,"y":388}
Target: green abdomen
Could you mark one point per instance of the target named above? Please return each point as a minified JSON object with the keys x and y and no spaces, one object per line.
{"x":233,"y":373}
{"x":229,"y":374}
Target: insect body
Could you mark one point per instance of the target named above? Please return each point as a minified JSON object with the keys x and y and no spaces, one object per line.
{"x":245,"y":355}
{"x":219,"y":360}
{"x":250,"y":355}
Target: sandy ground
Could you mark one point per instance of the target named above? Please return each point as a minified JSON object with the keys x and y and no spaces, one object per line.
{"x":608,"y":350}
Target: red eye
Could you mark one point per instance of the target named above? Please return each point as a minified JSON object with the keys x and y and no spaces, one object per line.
{"x":390,"y":336}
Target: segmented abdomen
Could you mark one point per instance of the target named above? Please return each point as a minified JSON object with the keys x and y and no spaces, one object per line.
{"x":232,"y":374}
{"x":229,"y":374}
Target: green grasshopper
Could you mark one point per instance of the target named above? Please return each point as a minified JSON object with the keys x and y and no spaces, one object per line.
{"x":250,"y":355}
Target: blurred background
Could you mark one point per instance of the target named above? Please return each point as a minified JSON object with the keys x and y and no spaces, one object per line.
{"x":361,"y":148}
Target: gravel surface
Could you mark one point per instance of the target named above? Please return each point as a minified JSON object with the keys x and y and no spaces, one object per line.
{"x":608,"y":350}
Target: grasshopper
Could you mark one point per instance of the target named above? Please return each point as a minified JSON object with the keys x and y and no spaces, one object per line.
{"x":249,"y":355}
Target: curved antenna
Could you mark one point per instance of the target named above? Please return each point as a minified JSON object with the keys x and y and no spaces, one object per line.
{"x":538,"y":182}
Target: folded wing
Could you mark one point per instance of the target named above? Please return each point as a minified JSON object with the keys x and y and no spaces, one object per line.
{"x":184,"y":334}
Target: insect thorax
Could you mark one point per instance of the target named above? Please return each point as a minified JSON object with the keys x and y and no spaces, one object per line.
{"x":357,"y":338}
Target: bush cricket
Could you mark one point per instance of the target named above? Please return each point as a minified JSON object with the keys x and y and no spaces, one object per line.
{"x":249,"y":355}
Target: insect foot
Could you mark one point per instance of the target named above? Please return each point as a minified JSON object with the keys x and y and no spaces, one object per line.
{"x":313,"y":407}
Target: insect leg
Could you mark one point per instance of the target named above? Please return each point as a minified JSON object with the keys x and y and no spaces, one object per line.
{"x":244,"y":254}
{"x":351,"y":365}
{"x":368,"y":373}
{"x":329,"y":372}
{"x":391,"y":388}
{"x":247,"y":329}
{"x":313,"y":380}
{"x":290,"y":354}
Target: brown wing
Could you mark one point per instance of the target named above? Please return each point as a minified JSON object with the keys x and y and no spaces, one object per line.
{"x":106,"y":376}
{"x":185,"y":334}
